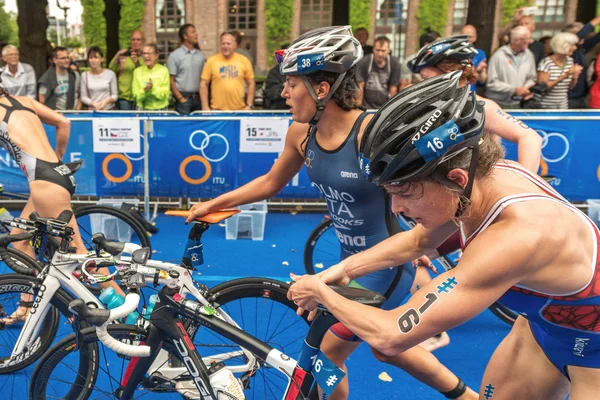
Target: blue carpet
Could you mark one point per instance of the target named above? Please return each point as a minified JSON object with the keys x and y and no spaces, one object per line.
{"x":276,"y":256}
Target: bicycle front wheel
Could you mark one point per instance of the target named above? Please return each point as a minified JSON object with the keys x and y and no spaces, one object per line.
{"x":261,"y":308}
{"x":72,"y":372}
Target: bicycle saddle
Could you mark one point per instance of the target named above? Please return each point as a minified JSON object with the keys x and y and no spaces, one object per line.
{"x":211,"y":218}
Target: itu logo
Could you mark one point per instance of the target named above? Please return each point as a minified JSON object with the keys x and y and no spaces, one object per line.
{"x":310,"y":156}
{"x":555,"y":146}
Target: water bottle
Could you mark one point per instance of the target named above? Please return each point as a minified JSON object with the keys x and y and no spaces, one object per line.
{"x":111,"y":300}
{"x":225,"y":385}
{"x":150,"y":306}
{"x":5,"y":218}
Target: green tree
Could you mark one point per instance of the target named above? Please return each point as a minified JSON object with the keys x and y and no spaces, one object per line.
{"x":94,"y":24}
{"x":132,"y":14}
{"x":8,"y":29}
{"x":509,"y":7}
{"x":278,"y":17}
{"x":360,"y":14}
{"x":433,"y":14}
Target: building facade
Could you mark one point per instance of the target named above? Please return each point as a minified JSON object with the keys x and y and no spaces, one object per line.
{"x":396,"y":19}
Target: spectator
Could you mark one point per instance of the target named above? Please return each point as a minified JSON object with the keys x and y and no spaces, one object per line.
{"x":528,"y":21}
{"x":578,"y":93}
{"x":123,"y":64}
{"x":378,"y":75}
{"x":362,"y":35}
{"x":547,"y":49}
{"x":151,"y":81}
{"x":511,"y":71}
{"x":480,"y":59}
{"x":19,"y":78}
{"x":98,"y":85}
{"x":185,"y":66}
{"x":595,"y":89}
{"x":59,"y":85}
{"x":238,"y":46}
{"x":408,"y":78}
{"x":559,"y":72}
{"x":226,"y":73}
{"x":274,"y":86}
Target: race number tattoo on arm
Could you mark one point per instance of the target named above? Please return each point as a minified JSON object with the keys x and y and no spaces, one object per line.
{"x":412,"y":317}
{"x":512,"y":119}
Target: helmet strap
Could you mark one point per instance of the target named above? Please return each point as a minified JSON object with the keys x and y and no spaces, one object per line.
{"x":321,"y":102}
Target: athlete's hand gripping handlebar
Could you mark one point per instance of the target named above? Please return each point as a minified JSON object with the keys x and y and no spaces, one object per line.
{"x":102,"y":318}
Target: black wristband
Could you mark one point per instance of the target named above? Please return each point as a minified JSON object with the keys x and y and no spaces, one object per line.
{"x":458,"y":391}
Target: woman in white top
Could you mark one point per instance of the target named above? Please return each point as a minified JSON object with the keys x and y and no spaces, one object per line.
{"x":558,"y":71}
{"x":98,"y":85}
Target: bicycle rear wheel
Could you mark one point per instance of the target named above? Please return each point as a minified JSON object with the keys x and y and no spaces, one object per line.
{"x":322,"y":249}
{"x":115,"y":224}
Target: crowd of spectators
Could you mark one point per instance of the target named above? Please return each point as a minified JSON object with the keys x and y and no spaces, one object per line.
{"x":553,"y":73}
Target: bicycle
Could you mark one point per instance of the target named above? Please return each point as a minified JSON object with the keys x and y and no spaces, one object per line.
{"x":263,"y":298}
{"x":165,"y":330}
{"x":322,"y":250}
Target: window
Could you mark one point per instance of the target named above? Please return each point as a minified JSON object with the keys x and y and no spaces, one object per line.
{"x":166,"y":45}
{"x":170,"y":15}
{"x":461,"y":9}
{"x":241,"y":15}
{"x":549,"y":17}
{"x":315,"y":14}
{"x":391,"y":22}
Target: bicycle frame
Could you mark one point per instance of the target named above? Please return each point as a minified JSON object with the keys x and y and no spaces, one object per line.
{"x":166,"y":326}
{"x":59,"y":273}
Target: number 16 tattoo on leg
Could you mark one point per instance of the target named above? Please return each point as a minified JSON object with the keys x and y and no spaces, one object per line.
{"x":412,"y":317}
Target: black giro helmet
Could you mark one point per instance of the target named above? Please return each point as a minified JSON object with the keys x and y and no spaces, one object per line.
{"x":421,"y":127}
{"x":455,"y":48}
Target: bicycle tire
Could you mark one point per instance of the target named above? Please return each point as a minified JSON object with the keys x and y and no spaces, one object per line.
{"x":14,"y":283}
{"x":52,"y":328}
{"x":86,"y":375}
{"x":127,"y":219}
{"x":311,"y":245}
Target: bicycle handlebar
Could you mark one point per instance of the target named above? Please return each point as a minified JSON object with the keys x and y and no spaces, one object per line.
{"x":5,"y":240}
{"x":103,"y":318}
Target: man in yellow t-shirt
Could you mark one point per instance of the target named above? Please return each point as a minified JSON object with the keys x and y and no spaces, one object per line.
{"x":226,"y":73}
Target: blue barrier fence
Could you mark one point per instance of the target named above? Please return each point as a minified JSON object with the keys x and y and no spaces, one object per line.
{"x":204,"y":156}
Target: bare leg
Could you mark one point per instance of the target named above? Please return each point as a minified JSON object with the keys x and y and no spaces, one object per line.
{"x":519,"y":369}
{"x":585,"y":383}
{"x":425,"y":367}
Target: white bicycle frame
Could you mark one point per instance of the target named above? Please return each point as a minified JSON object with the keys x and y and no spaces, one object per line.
{"x":60,"y":274}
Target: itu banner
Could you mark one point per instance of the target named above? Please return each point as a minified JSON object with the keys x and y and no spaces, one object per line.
{"x":208,"y":156}
{"x":570,"y":153}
